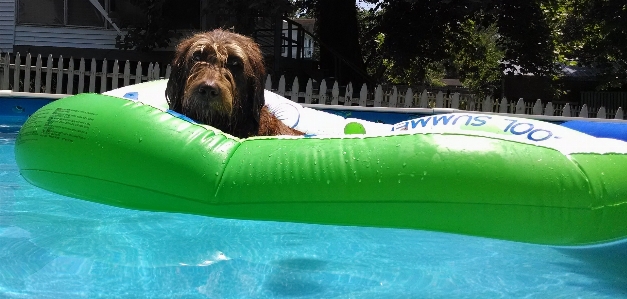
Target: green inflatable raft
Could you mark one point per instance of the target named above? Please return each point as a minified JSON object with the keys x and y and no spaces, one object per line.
{"x":475,"y":174}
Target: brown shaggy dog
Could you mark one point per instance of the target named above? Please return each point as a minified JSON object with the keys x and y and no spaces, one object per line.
{"x":217,"y":80}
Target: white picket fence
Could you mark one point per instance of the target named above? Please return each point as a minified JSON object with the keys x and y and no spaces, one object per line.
{"x":63,"y":77}
{"x":71,"y":76}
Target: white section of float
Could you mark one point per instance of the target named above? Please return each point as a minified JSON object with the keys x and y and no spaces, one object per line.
{"x":307,"y":120}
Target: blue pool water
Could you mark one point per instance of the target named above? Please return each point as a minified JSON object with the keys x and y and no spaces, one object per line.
{"x":53,"y":246}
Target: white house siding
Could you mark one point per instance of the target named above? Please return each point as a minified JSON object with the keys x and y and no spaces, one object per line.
{"x":7,"y":25}
{"x":66,"y":37}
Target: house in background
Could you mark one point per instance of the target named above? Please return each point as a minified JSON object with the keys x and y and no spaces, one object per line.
{"x":88,"y":28}
{"x":81,"y":27}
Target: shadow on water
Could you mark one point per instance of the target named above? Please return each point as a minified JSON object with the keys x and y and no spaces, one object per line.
{"x":295,"y":278}
{"x":606,"y":265}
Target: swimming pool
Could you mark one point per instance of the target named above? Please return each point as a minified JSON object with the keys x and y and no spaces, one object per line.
{"x":58,"y":247}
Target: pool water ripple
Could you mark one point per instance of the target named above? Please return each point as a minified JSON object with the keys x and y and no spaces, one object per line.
{"x":53,"y":246}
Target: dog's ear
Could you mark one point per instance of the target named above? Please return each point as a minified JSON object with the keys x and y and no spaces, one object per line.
{"x":255,"y":80}
{"x":178,"y":77}
{"x":176,"y":86}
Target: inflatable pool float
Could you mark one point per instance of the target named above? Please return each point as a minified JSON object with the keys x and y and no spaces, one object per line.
{"x":475,"y":174}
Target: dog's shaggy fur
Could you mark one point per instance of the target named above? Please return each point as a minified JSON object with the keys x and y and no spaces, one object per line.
{"x":217,"y":80}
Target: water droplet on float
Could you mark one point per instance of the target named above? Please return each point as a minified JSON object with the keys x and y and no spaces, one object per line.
{"x":328,"y":182}
{"x":217,"y":173}
{"x":404,"y":164}
{"x":141,"y":139}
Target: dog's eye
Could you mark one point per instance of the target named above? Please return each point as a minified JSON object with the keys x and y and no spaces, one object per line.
{"x":234,"y":63}
{"x":196,"y":56}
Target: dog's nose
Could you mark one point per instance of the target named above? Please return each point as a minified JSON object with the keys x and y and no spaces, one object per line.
{"x":209,"y":89}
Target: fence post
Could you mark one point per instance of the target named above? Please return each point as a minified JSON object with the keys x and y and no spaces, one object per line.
{"x":566,"y":110}
{"x":455,"y":101}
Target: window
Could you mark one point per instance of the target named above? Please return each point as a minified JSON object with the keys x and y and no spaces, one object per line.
{"x":79,"y":13}
{"x":60,"y":12}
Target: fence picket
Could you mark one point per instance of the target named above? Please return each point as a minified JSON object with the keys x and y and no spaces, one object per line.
{"x":393,"y":98}
{"x":92,"y":76}
{"x":59,"y":75}
{"x":103,"y":76}
{"x":409,"y":99}
{"x":48,"y":88}
{"x":422,"y":103}
{"x":138,"y":73}
{"x":6,"y":62}
{"x":281,"y":90}
{"x":584,"y":111}
{"x":127,"y":73}
{"x":378,"y":96}
{"x":156,"y":70}
{"x":323,"y":97}
{"x":149,"y":75}
{"x":348,"y":95}
{"x":455,"y":101}
{"x":308,"y":91}
{"x":335,"y":94}
{"x":16,"y":72}
{"x":168,"y":71}
{"x":268,"y":82}
{"x":602,"y":104}
{"x":38,"y":74}
{"x":70,"y":76}
{"x":566,"y":110}
{"x":115,"y":75}
{"x":504,"y":106}
{"x":27,"y":73}
{"x":363,"y":95}
{"x":548,"y":110}
{"x":295,"y":89}
{"x":81,"y":76}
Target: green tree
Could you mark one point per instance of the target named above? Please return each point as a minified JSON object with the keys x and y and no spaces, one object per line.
{"x":594,"y":33}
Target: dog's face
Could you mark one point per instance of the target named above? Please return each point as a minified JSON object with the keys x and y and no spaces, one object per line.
{"x":216,"y":80}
